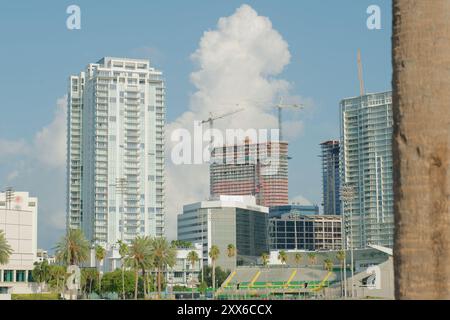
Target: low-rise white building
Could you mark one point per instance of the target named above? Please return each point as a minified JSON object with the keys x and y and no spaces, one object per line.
{"x":18,"y":220}
{"x":42,"y":255}
{"x":183,"y":273}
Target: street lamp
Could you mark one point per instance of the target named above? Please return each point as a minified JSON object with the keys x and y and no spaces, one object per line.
{"x":121,"y":188}
{"x":348,"y":194}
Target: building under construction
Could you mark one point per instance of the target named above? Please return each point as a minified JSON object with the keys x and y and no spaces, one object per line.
{"x":330,"y":177}
{"x":258,"y":169}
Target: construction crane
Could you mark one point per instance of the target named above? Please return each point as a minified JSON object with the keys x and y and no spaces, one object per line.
{"x":360,"y":74}
{"x":212,"y":118}
{"x":280,"y":106}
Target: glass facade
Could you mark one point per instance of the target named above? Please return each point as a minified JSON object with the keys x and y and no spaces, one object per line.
{"x":293,"y":209}
{"x":366,"y":139}
{"x":305,"y":233}
{"x":330,"y":177}
{"x":251,"y":232}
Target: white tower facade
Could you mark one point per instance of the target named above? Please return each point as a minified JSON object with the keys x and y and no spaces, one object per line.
{"x":366,"y":140}
{"x":115,"y":182}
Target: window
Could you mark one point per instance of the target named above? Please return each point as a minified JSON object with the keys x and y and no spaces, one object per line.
{"x":20,"y":276}
{"x":8,"y":275}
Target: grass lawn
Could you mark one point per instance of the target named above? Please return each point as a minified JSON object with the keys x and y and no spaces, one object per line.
{"x":35,"y":296}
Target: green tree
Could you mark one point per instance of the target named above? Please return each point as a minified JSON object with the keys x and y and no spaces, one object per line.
{"x":57,"y":277}
{"x":41,"y":273}
{"x":73,"y":248}
{"x":181,"y":244}
{"x":312,"y":258}
{"x":192,"y":257}
{"x":341,"y":258}
{"x":111,"y":283}
{"x":265,"y":259}
{"x":214,"y":253}
{"x":298,"y":258}
{"x":164,"y":255}
{"x":328,"y":264}
{"x":282,"y":256}
{"x":220,"y":275}
{"x":231,"y":251}
{"x":89,"y":279}
{"x":203,"y":287}
{"x":140,"y":258}
{"x":5,"y":249}
{"x":123,"y":252}
{"x":100,"y":254}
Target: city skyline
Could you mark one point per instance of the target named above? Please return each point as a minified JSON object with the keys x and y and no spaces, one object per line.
{"x":33,"y":141}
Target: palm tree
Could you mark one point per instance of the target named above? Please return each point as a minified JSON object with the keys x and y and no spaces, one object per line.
{"x":100,"y":254}
{"x":420,"y":148}
{"x":41,"y":273}
{"x":214,"y":253}
{"x":123,"y":251}
{"x":328,"y":264}
{"x":5,"y":249}
{"x":231,"y":250}
{"x":73,"y":248}
{"x":164,"y":254}
{"x":57,"y":274}
{"x":341,"y":257}
{"x":282,"y":256}
{"x":140,"y":258}
{"x":192,"y":257}
{"x":265,"y":259}
{"x":312,"y":257}
{"x":298,"y":258}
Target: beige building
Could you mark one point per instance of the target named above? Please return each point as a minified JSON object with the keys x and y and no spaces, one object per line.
{"x":18,"y":220}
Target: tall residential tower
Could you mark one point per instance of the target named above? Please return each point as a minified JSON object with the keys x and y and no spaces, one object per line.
{"x":115,"y":158}
{"x":366,"y":137}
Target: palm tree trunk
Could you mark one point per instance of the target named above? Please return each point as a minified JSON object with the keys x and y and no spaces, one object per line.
{"x":158,"y":271}
{"x":145,"y":284}
{"x":123,"y":280}
{"x":214,"y":275}
{"x":421,"y":148}
{"x":136,"y":279}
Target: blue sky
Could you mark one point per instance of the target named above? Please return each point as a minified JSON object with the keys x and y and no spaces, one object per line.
{"x":38,"y":53}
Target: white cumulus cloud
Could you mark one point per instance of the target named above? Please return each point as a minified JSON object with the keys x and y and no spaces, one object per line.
{"x":37,"y":165}
{"x":50,"y":141}
{"x":237,"y":65}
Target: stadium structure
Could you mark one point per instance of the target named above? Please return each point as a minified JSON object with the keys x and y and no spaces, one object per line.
{"x":372,"y":277}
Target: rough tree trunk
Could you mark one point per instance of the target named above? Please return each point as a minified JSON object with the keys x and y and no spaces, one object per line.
{"x":421,"y":106}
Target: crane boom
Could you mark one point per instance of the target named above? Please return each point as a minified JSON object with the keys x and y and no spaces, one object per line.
{"x":211,"y":120}
{"x":360,"y":74}
{"x":280,"y":106}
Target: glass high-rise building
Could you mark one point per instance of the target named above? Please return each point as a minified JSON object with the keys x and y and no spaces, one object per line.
{"x":226,"y":220}
{"x":366,"y":141}
{"x":331,"y":177}
{"x":115,"y":158}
